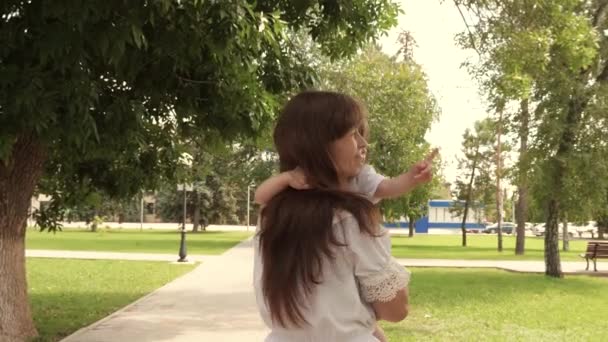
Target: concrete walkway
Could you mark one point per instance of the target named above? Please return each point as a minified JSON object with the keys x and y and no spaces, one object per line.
{"x":215,"y":302}
{"x":47,"y":253}
{"x":568,"y":267}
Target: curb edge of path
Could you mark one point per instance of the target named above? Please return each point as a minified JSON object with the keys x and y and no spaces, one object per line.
{"x":600,"y":274}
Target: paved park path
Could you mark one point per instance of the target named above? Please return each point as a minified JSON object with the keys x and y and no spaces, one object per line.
{"x":568,"y":267}
{"x":214,"y":302}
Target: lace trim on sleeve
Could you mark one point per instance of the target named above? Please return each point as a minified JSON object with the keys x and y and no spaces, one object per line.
{"x":384,"y":285}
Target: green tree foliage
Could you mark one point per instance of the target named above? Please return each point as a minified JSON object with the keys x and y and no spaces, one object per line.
{"x":475,"y":185}
{"x":554,"y":54}
{"x":109,"y":209}
{"x":401,"y":110}
{"x":103,"y":95}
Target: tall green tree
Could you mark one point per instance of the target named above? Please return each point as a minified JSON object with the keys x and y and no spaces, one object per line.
{"x":474,"y":186}
{"x":555,"y":54}
{"x":401,"y":110}
{"x":99,"y":95}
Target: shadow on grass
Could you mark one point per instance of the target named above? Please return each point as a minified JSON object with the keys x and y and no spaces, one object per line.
{"x":58,"y":315}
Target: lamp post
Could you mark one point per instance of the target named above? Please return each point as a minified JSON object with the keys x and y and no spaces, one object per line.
{"x":249,"y":186}
{"x":182,"y":244}
{"x":141,"y":212}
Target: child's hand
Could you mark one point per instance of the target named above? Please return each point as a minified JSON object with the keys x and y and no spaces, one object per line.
{"x":423,"y":170}
{"x":379,"y":333}
{"x":297,"y":179}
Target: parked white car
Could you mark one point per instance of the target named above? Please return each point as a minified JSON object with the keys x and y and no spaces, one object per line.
{"x":590,"y":227}
{"x":529,"y":228}
{"x":539,"y":230}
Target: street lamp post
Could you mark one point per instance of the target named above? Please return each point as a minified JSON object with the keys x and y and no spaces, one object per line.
{"x":182,"y":245}
{"x":248,"y":202}
{"x":141,"y":212}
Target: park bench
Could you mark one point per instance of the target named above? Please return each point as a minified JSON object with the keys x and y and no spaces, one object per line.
{"x":595,"y":250}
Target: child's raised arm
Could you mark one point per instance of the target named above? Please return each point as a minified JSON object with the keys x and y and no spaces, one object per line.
{"x":277,"y":183}
{"x":420,"y":173}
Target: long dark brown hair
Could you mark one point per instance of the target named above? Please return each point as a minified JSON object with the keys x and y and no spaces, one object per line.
{"x":296,"y":233}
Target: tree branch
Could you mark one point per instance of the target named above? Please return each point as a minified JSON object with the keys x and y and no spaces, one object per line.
{"x":598,"y":19}
{"x":600,"y":14}
{"x":471,"y":38}
{"x":188,"y":80}
{"x":603,"y":76}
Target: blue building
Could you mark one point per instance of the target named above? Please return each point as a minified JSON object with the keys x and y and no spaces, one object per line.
{"x":440,"y":220}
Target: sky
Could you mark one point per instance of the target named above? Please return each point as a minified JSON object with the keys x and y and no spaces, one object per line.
{"x":434,"y":26}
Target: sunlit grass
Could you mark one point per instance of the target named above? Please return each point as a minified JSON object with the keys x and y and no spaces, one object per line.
{"x":147,"y":241}
{"x":491,"y":305}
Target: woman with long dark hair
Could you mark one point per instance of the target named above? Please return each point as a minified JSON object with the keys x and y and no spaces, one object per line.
{"x":323,"y":269}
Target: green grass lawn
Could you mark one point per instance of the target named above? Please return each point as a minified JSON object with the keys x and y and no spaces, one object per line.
{"x":147,"y":241}
{"x":479,"y":247}
{"x":68,"y":294}
{"x":491,"y":305}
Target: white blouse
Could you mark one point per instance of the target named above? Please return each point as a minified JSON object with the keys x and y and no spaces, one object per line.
{"x":367,"y":182}
{"x":339,"y":308}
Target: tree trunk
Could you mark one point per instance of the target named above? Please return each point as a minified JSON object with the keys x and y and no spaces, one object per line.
{"x":602,"y":222}
{"x":558,"y":172}
{"x":521,"y":211}
{"x":576,"y":105}
{"x":411,"y":226}
{"x":196,"y":214}
{"x":521,"y":217}
{"x":18,"y":178}
{"x":463,"y":227}
{"x":498,"y":175}
{"x":95,"y":221}
{"x":565,"y":237}
{"x":553,"y":265}
{"x":468,"y":199}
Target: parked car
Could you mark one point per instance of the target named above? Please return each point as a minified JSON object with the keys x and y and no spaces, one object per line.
{"x":505,"y":227}
{"x":590,"y":227}
{"x":475,"y":230}
{"x":528,"y":228}
{"x":539,"y":230}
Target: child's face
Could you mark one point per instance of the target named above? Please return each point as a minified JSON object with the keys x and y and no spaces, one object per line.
{"x":348,"y":154}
